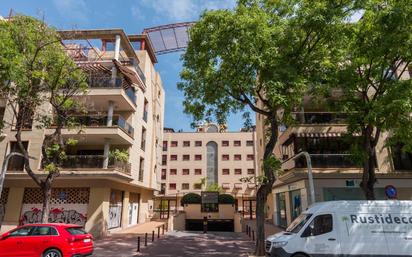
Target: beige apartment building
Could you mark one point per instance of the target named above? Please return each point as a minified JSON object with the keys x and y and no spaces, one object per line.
{"x":125,"y":111}
{"x":336,"y":177}
{"x":211,"y":155}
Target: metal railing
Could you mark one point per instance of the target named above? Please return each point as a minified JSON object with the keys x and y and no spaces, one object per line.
{"x":101,"y":121}
{"x":94,"y":162}
{"x":328,"y":161}
{"x":320,"y":117}
{"x":108,"y":82}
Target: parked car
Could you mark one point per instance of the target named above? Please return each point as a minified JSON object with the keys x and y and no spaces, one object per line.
{"x":46,"y":240}
{"x":347,"y":228}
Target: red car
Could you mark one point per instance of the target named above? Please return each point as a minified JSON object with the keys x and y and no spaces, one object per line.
{"x":46,"y":240}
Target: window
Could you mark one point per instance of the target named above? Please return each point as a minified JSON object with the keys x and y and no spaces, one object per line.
{"x":238,"y":157}
{"x":198,"y":143}
{"x":198,"y":171}
{"x":249,"y":143}
{"x":173,"y":172}
{"x":143,"y":139}
{"x":197,"y":186}
{"x":16,"y":163}
{"x":164,"y":146}
{"x":210,"y":207}
{"x":172,"y":186}
{"x":198,"y":157}
{"x":225,"y":143}
{"x":141,"y":169}
{"x":76,"y":231}
{"x":25,"y":231}
{"x":173,"y":144}
{"x":26,"y":119}
{"x":44,"y":231}
{"x":164,"y":159}
{"x":225,"y":172}
{"x":238,"y":171}
{"x":186,"y":143}
{"x":298,"y":223}
{"x":225,"y":157}
{"x":173,"y":157}
{"x":162,"y":188}
{"x":186,"y":157}
{"x":250,"y":171}
{"x":163,"y":177}
{"x":185,"y":172}
{"x":237,"y":143}
{"x":145,"y":108}
{"x":250,"y":157}
{"x":185,"y":186}
{"x":320,"y":225}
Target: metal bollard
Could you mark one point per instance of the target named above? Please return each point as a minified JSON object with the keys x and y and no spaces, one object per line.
{"x":145,"y":239}
{"x":152,"y":235}
{"x":247,"y":230}
{"x":163,"y":229}
{"x":253,"y":235}
{"x":138,"y":244}
{"x":158,"y":232}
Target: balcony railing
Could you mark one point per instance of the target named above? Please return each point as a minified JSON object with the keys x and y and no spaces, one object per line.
{"x":108,"y":82}
{"x":101,"y":121}
{"x":320,"y":117}
{"x":327,"y":161}
{"x":145,"y":116}
{"x":94,"y":162}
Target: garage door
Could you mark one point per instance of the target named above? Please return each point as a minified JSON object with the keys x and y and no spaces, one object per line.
{"x":212,"y":225}
{"x":67,"y":205}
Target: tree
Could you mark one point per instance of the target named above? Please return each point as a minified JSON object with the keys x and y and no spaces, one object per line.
{"x":376,"y":52}
{"x":261,"y":55}
{"x":39,"y":80}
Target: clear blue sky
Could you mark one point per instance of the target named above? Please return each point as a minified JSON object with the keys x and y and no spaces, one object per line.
{"x":132,"y":16}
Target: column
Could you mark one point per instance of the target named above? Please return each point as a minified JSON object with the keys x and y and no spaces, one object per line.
{"x":116,"y":57}
{"x":13,"y":208}
{"x":106,"y":153}
{"x":98,"y":211}
{"x":110,"y":114}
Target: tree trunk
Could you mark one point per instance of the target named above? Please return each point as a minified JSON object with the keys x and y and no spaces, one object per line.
{"x":265,"y":189}
{"x":46,"y":188}
{"x":369,"y":177}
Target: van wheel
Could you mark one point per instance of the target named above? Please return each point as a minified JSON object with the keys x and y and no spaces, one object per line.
{"x":52,"y":253}
{"x":300,"y":255}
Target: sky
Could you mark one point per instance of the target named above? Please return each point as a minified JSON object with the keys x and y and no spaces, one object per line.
{"x":132,"y":16}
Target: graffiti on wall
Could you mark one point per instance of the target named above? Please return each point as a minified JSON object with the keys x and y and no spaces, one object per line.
{"x":56,"y":215}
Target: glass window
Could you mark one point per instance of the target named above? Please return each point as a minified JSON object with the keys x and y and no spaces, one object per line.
{"x":237,"y":143}
{"x":225,"y":143}
{"x":186,"y":157}
{"x":186,"y":143}
{"x":225,"y":171}
{"x":250,"y":171}
{"x":185,"y":171}
{"x":173,"y":172}
{"x":210,"y":207}
{"x":173,"y":143}
{"x":238,"y":157}
{"x":172,"y":186}
{"x":24,"y":231}
{"x":198,"y":157}
{"x":250,"y":157}
{"x":320,"y":225}
{"x":198,"y":171}
{"x":76,"y":231}
{"x":298,"y":223}
{"x":185,"y":186}
{"x":43,"y":231}
{"x":225,"y":157}
{"x":198,"y":143}
{"x":249,"y":143}
{"x":173,"y":157}
{"x":238,"y":171}
{"x":211,"y":159}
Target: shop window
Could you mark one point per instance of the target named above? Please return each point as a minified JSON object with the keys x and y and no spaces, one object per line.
{"x":225,"y":172}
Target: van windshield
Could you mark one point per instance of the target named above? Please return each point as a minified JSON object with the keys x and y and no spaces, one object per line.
{"x":298,"y":223}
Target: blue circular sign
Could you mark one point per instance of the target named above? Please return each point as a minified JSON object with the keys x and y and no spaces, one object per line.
{"x":391,"y":192}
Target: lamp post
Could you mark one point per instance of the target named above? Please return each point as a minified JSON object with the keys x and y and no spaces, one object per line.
{"x":310,"y":175}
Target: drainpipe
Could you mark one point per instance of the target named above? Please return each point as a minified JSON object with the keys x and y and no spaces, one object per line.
{"x":310,"y":174}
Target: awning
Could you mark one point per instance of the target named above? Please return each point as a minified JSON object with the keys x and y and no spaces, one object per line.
{"x":130,"y":75}
{"x":319,"y":131}
{"x":93,"y":67}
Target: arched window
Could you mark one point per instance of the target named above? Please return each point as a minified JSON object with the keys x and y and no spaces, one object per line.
{"x":211,"y":175}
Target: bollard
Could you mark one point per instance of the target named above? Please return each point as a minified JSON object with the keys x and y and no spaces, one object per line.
{"x":145,"y":239}
{"x":163,"y":229}
{"x":158,"y":232}
{"x":204,"y":225}
{"x":152,"y":235}
{"x":247,"y":230}
{"x":138,"y":244}
{"x":253,"y":235}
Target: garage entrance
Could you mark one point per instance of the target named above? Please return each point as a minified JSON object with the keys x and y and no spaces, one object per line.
{"x":223,"y":225}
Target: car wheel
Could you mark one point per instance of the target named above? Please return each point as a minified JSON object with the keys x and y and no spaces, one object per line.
{"x":52,"y":253}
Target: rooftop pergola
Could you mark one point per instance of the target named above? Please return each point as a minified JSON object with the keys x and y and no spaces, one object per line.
{"x":169,"y":38}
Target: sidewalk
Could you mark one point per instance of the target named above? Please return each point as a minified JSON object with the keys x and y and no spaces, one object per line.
{"x":270,"y":228}
{"x":147,"y":227}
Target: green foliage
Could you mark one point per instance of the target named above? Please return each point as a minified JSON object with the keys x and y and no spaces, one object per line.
{"x":71,"y":142}
{"x":119,"y":155}
{"x":226,"y":199}
{"x":214,"y":187}
{"x":191,"y":198}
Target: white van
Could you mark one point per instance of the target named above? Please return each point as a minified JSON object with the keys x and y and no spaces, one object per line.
{"x":347,"y":228}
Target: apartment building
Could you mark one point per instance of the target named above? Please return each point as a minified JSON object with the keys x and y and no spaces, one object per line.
{"x":335,"y":175}
{"x":209,"y":156}
{"x":125,"y":111}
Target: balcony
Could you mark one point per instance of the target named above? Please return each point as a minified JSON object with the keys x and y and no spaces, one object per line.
{"x":327,"y":161}
{"x":93,"y":162}
{"x":145,"y":116}
{"x":320,"y":117}
{"x":94,"y":129}
{"x":104,"y":88}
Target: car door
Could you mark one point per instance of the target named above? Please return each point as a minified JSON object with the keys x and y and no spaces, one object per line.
{"x":13,"y":245}
{"x":40,"y":238}
{"x":320,"y":236}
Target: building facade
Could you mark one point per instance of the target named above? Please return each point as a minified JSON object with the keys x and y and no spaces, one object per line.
{"x":125,"y":110}
{"x":193,"y":161}
{"x":335,"y":175}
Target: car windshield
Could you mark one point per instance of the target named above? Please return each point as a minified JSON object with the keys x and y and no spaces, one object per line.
{"x":298,"y":223}
{"x":76,"y":231}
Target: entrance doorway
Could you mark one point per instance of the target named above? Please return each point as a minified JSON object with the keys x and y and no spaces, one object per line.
{"x":134,"y":200}
{"x":115,"y":209}
{"x":166,"y":206}
{"x":281,"y":204}
{"x":249,"y":209}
